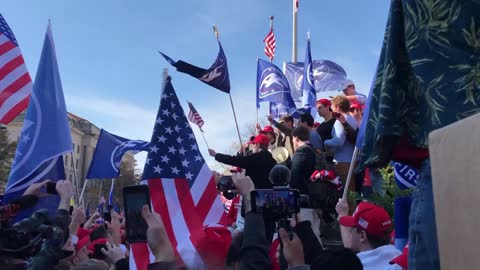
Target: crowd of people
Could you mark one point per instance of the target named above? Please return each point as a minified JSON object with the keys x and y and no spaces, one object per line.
{"x":258,"y":241}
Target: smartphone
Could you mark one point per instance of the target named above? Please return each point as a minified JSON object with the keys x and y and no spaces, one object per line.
{"x":135,"y":197}
{"x":275,"y":203}
{"x":52,"y":188}
{"x":107,"y":216}
{"x":226,"y":183}
{"x":97,"y":253}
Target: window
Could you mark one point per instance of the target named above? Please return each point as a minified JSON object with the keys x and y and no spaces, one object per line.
{"x":78,"y":149}
{"x":76,"y":163}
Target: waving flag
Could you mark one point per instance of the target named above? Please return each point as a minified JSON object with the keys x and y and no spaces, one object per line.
{"x":194,"y":116}
{"x":216,"y":76}
{"x":45,"y":136}
{"x":272,"y":86}
{"x":270,"y":44}
{"x":109,"y":152}
{"x":309,"y":97}
{"x":182,"y":188}
{"x":327,"y":75}
{"x":15,"y":81}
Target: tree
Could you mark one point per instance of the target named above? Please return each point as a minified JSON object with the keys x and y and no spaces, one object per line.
{"x":7,"y":153}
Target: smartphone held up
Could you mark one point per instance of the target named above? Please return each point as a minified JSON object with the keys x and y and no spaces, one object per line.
{"x":135,"y":197}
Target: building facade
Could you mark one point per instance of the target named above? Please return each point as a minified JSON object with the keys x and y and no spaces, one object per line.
{"x":84,"y":138}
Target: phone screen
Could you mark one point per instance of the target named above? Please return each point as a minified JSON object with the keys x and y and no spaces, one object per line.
{"x":52,"y":188}
{"x":98,"y":254}
{"x":135,"y":197}
{"x":275,"y":203}
{"x":107,"y":216}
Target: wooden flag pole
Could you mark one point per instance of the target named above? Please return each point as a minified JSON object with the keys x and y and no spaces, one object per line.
{"x":215,"y":30}
{"x":82,"y":193}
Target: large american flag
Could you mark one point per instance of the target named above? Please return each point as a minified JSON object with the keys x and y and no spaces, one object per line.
{"x":15,"y":81}
{"x":182,"y":188}
{"x":194,"y":116}
{"x":270,"y":45}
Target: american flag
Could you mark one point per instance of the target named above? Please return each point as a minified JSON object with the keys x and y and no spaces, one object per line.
{"x":194,"y":116}
{"x":15,"y":81}
{"x":270,"y":45}
{"x":182,"y":188}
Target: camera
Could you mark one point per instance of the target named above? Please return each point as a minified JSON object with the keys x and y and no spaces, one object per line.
{"x":226,"y":186}
{"x":23,"y":239}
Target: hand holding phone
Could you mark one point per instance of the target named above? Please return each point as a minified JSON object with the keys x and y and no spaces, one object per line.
{"x":135,"y":197}
{"x":52,"y":188}
{"x":275,"y":203}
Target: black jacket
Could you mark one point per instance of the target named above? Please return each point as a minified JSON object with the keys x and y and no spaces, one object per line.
{"x":254,"y":252}
{"x":257,"y":166}
{"x":303,"y":165}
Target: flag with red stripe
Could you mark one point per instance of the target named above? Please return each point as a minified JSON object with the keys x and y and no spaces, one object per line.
{"x":270,"y":45}
{"x":15,"y":81}
{"x":194,"y":116}
{"x":182,"y":189}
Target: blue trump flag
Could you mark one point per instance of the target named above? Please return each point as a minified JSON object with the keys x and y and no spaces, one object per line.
{"x":216,"y":76}
{"x":327,"y":76}
{"x":272,"y":86}
{"x":309,"y":97}
{"x":45,"y":135}
{"x":109,"y":152}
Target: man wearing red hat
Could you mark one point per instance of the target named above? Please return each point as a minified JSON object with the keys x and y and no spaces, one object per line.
{"x":257,"y":165}
{"x":367,"y":232}
{"x":325,"y":111}
{"x":270,"y":133}
{"x":356,"y":112}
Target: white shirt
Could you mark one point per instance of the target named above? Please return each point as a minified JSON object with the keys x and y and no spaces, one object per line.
{"x":379,"y":258}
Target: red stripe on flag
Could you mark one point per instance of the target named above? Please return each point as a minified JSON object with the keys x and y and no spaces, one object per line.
{"x":159,"y":203}
{"x":192,"y":220}
{"x":140,"y":252}
{"x":207,"y":199}
{"x":10,"y":66}
{"x":16,"y":110}
{"x":14,"y":87}
{"x":7,"y":46}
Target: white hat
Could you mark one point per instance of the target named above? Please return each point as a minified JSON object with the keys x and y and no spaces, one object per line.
{"x":346,"y":83}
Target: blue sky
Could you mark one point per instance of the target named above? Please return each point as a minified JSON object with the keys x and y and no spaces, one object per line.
{"x":112,"y":75}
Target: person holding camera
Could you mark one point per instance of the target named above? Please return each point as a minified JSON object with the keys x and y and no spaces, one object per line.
{"x":257,"y":165}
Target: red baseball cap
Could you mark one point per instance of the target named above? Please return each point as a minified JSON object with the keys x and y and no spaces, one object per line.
{"x":261,"y":139}
{"x":82,"y":242}
{"x":355,"y":105}
{"x":370,"y":217}
{"x":100,"y":241}
{"x":267,"y":129}
{"x":402,"y":259}
{"x":325,"y":102}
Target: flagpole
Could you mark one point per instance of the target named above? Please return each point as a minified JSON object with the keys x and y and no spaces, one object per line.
{"x":111,"y":191}
{"x":271,"y":29}
{"x":215,"y":30}
{"x":350,"y":171}
{"x":203,"y":135}
{"x":75,"y":178}
{"x":80,"y":200}
{"x":294,"y":31}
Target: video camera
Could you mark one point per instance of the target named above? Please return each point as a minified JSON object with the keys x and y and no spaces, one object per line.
{"x":23,"y":239}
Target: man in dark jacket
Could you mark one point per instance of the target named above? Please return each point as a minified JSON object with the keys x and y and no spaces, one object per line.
{"x":257,"y":165}
{"x":303,"y":160}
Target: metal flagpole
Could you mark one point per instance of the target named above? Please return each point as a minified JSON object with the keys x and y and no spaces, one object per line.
{"x":350,"y":171}
{"x":203,"y":136}
{"x":294,"y":31}
{"x":215,"y":29}
{"x":75,"y":178}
